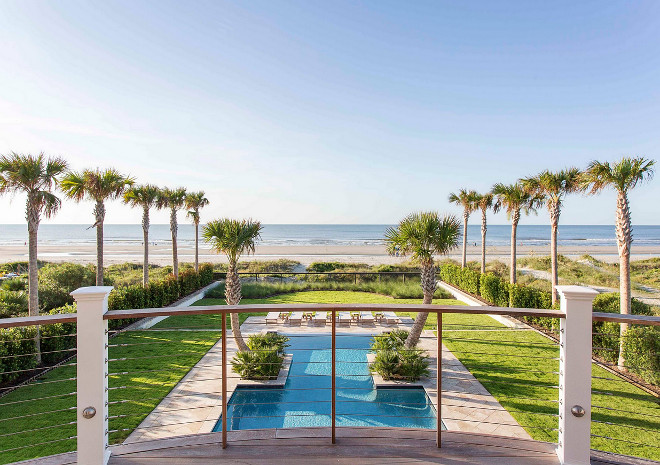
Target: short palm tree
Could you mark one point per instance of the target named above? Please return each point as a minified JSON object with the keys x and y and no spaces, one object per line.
{"x":514,"y":199}
{"x":99,"y":187}
{"x":36,"y":176}
{"x":423,"y":235}
{"x":483,"y":202}
{"x":195,"y":201}
{"x":465,"y":199}
{"x":174,"y":199}
{"x":144,"y":196}
{"x":553,"y":187}
{"x":622,"y":176}
{"x":233,"y":238}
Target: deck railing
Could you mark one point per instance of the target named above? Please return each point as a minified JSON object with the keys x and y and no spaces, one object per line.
{"x":95,"y":370}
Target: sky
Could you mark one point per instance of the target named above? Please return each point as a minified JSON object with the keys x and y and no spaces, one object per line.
{"x":332,"y":111}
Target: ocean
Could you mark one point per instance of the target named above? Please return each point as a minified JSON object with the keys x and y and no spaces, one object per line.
{"x":325,"y":234}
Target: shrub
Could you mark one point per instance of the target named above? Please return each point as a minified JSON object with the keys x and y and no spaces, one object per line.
{"x":394,"y":361}
{"x":642,"y":352}
{"x":465,"y":278}
{"x":15,"y":284}
{"x":265,"y":358}
{"x":494,"y":289}
{"x":13,"y":303}
{"x":58,"y":280}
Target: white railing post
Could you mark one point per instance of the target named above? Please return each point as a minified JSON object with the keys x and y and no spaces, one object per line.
{"x":574,"y":445}
{"x":92,"y":368}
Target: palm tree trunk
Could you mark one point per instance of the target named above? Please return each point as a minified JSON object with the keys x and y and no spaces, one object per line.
{"x":429,"y":284}
{"x":514,"y":229}
{"x":33,"y":272}
{"x":145,"y":234}
{"x":554,"y":222}
{"x":466,"y":215}
{"x":99,"y":214}
{"x":197,"y":246}
{"x":233,"y":297}
{"x":173,"y":229}
{"x":624,"y":241}
{"x":483,"y":241}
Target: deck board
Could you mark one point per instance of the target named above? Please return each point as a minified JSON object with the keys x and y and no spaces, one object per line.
{"x":368,"y":446}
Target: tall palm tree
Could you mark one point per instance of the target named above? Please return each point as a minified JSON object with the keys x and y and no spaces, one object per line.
{"x":553,"y":187}
{"x":98,"y":186}
{"x":144,"y":196}
{"x":465,"y":199}
{"x":483,"y":202}
{"x":514,"y":199}
{"x":174,"y":199}
{"x":622,"y":176}
{"x":233,"y":238}
{"x":36,"y":176}
{"x":195,"y":201}
{"x":422,"y":235}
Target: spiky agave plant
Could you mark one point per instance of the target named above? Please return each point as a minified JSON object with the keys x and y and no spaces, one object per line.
{"x":423,"y":235}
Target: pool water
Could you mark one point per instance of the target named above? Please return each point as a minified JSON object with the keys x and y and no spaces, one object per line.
{"x":305,"y":399}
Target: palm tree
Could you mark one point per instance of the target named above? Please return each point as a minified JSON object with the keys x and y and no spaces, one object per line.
{"x":553,"y":186}
{"x":36,"y":176}
{"x":99,"y":187}
{"x":422,"y":235}
{"x":483,"y":202}
{"x":514,"y":199}
{"x":144,"y":196}
{"x":174,"y":199}
{"x":195,"y":201}
{"x":233,"y":238}
{"x":466,"y":200}
{"x":623,"y":176}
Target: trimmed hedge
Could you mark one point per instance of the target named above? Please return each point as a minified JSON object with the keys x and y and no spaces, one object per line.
{"x":642,"y":344}
{"x":18,"y":345}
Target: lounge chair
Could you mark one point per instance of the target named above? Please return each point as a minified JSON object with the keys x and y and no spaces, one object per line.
{"x":272,"y":317}
{"x":296,"y":317}
{"x":320,"y":317}
{"x":391,"y":318}
{"x":367,"y":318}
{"x":285,"y":315}
{"x":344,"y":317}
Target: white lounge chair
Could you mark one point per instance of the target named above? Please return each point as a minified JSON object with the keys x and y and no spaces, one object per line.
{"x":272,"y":317}
{"x":296,"y":317}
{"x":367,"y":317}
{"x":391,"y":318}
{"x":320,"y":317}
{"x":344,"y":317}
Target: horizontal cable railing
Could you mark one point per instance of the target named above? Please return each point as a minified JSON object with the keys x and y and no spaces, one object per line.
{"x":147,"y":371}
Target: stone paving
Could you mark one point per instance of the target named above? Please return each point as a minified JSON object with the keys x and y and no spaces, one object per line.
{"x":194,"y":404}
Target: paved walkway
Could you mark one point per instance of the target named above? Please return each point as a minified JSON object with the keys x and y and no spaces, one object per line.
{"x":194,"y":404}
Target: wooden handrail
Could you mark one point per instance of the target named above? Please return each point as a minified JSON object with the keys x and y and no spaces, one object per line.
{"x":264,"y":308}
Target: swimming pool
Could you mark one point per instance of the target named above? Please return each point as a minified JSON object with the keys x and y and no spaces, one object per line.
{"x":305,"y":399}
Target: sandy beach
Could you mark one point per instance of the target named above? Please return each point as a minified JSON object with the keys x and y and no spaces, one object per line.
{"x":161,"y":254}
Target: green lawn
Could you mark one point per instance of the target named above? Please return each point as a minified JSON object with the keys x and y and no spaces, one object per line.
{"x":149,"y":380}
{"x":483,"y":345}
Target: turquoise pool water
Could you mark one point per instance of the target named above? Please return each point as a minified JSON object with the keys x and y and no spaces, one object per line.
{"x":305,"y":399}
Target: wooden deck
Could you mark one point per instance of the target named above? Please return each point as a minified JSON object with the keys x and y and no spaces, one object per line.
{"x":355,"y":446}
